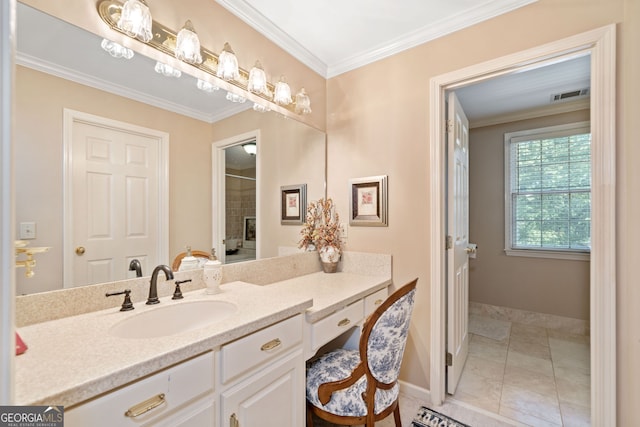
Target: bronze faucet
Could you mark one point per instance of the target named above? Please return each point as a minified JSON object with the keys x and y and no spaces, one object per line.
{"x":153,"y":288}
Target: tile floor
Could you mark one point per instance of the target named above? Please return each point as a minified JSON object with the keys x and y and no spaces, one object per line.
{"x":515,"y":375}
{"x":533,"y":375}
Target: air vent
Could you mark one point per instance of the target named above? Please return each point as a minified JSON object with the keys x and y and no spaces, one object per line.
{"x":570,"y":95}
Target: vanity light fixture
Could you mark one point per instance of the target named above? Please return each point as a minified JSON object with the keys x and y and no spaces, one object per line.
{"x":228,"y":64}
{"x":116,"y":50}
{"x":250,"y":148}
{"x":167,"y":70}
{"x":188,"y":45}
{"x":282,"y":93}
{"x":235,"y":98}
{"x":135,"y":20}
{"x":260,"y":108}
{"x":258,"y":80}
{"x":303,"y":103}
{"x":206,"y":86}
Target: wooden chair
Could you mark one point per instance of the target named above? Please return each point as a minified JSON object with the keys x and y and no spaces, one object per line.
{"x":178,"y":259}
{"x":350,"y":387}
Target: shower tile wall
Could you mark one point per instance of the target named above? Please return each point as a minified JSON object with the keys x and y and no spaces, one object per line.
{"x":240,"y":202}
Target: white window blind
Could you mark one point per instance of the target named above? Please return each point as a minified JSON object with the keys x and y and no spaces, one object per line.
{"x":548,"y":190}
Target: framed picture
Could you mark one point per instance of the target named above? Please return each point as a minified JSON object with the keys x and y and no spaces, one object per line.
{"x":293,"y":204}
{"x":368,"y":197}
{"x":249,"y":232}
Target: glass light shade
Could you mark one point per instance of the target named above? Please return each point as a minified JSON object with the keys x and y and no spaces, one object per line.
{"x":303,"y":103}
{"x":228,"y":64}
{"x":188,"y":45}
{"x":167,"y":70}
{"x":135,"y":20}
{"x":250,"y":148}
{"x":260,"y":108}
{"x":257,"y":79}
{"x":282,"y":93}
{"x":116,"y":50}
{"x":206,"y":86}
{"x":235,"y":98}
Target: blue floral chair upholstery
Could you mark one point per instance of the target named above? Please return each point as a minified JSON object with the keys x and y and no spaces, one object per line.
{"x":351,"y":387}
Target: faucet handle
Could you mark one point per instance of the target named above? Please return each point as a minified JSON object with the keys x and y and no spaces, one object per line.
{"x":127,"y":305}
{"x":177,"y":294}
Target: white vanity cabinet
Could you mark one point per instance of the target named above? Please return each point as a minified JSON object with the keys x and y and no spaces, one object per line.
{"x":262,"y":378}
{"x":181,"y":395}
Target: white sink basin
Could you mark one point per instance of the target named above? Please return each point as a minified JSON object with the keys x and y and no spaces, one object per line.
{"x":173,"y":318}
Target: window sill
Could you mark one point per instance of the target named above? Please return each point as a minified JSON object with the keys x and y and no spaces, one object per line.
{"x":574,"y":256}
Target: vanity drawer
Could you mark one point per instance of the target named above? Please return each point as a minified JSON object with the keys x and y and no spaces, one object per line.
{"x":179,"y":384}
{"x":245,"y":353}
{"x":331,"y":326}
{"x":373,"y":301}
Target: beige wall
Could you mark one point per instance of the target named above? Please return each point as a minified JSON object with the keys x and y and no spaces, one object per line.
{"x":378,"y":123}
{"x":542,"y":285}
{"x":289,"y":153}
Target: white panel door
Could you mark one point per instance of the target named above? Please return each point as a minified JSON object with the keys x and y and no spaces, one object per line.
{"x":458,"y":242}
{"x":115,"y":202}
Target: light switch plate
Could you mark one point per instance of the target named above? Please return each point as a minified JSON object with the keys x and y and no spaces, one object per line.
{"x":27,"y":230}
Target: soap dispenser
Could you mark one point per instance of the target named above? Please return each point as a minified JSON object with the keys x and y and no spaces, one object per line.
{"x":212,"y":274}
{"x":189,"y":262}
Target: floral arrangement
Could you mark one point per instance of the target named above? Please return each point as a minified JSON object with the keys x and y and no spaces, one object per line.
{"x":322,"y":230}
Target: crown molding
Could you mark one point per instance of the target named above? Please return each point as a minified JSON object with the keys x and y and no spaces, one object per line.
{"x":258,"y":22}
{"x":469,"y":17}
{"x":532,"y":113}
{"x":126,"y":92}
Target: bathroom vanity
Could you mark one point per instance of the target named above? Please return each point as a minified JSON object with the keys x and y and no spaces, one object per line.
{"x":244,"y":368}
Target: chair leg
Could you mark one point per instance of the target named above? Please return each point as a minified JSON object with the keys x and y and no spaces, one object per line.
{"x":309,"y":418}
{"x":396,"y":416}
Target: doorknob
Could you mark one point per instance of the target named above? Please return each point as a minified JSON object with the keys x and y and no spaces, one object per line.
{"x":471,"y":249}
{"x":80,"y":250}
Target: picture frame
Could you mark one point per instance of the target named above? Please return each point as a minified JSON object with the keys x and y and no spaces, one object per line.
{"x":368,"y":202}
{"x":293,"y":204}
{"x":249,"y":232}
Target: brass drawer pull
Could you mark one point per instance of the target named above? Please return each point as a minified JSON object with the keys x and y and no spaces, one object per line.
{"x":271,"y":345}
{"x":344,"y":322}
{"x":378,"y":302}
{"x":145,"y":406}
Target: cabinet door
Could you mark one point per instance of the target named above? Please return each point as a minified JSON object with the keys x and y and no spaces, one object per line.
{"x":274,"y":397}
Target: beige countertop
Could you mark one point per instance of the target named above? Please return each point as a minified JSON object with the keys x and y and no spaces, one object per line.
{"x":73,"y":359}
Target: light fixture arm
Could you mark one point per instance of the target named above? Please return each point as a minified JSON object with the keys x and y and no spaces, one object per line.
{"x":164,"y":41}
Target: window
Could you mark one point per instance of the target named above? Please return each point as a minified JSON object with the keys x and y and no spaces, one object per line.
{"x":548,"y":192}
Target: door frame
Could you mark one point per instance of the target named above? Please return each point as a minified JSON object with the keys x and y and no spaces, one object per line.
{"x":72,"y":116}
{"x":218,"y":208}
{"x":601,"y":44}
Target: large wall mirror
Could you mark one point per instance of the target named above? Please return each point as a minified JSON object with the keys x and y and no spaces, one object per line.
{"x":67,"y":71}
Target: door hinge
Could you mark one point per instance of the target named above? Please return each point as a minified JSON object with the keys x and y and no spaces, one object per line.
{"x":448,"y":244}
{"x":449,"y":125}
{"x":449,"y":358}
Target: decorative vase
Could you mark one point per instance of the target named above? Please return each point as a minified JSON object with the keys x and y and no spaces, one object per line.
{"x":329,"y":267}
{"x":329,"y":257}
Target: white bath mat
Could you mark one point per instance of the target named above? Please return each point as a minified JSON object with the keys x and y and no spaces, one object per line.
{"x":498,"y":330}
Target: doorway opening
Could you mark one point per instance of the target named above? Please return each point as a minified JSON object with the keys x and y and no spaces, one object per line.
{"x":236,"y":216}
{"x":600,"y":43}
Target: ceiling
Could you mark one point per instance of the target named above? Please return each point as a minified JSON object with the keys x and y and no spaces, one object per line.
{"x":334,"y":42}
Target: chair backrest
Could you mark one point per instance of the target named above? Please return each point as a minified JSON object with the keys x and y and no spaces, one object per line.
{"x":385,"y":332}
{"x":178,"y":259}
